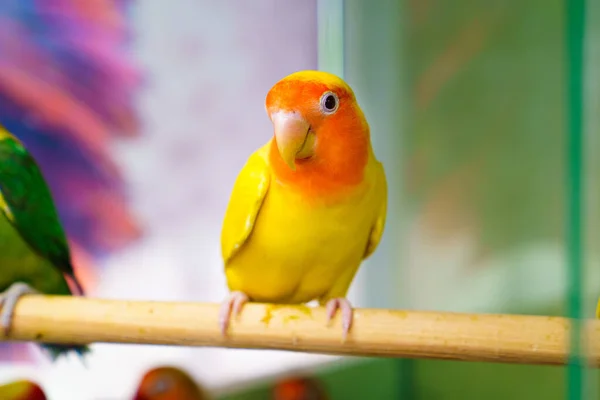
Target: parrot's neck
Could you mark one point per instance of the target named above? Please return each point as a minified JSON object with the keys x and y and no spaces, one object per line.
{"x":335,"y":169}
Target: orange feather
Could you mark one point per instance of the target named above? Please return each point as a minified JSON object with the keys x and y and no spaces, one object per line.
{"x":343,"y":141}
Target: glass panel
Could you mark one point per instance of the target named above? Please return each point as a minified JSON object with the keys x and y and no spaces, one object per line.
{"x":374,"y":68}
{"x":591,"y":179}
{"x":484,"y":177}
{"x":575,"y":32}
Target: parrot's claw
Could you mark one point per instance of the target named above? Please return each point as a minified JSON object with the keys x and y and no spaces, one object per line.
{"x":8,"y":301}
{"x":231,"y":305}
{"x":347,"y":313}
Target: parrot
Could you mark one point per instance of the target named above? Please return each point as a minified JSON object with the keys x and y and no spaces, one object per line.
{"x":169,"y":383}
{"x":34,"y":253}
{"x":22,"y":390}
{"x":308,"y":206}
{"x":299,"y":388}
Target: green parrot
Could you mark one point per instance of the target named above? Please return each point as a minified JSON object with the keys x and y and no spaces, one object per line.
{"x":34,"y":253}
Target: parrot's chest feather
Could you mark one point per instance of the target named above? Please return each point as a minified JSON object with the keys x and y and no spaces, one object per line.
{"x":298,"y":249}
{"x":331,"y":219}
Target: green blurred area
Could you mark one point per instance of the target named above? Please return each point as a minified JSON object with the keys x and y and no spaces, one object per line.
{"x":486,"y":80}
{"x":438,"y":380}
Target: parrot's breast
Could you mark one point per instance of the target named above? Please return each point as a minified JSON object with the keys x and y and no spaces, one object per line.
{"x":19,"y":263}
{"x":298,"y":250}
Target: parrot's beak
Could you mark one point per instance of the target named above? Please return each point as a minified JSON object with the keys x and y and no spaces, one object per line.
{"x":291,"y":135}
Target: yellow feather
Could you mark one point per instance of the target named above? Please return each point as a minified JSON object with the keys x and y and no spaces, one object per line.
{"x":247,"y":197}
{"x":280,"y":248}
{"x":4,"y":134}
{"x":378,"y":227}
{"x":323,"y":77}
{"x":5,"y":209}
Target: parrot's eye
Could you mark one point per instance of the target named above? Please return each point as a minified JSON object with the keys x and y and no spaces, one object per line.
{"x":329,"y":102}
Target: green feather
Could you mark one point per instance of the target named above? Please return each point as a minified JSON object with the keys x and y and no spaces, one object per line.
{"x":31,"y":209}
{"x":33,"y":246}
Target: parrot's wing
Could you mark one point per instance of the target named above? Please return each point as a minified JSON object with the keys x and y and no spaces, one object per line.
{"x":27,"y":203}
{"x":378,"y":226}
{"x":249,"y":190}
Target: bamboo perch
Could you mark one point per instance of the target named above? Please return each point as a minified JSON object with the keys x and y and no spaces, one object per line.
{"x":515,"y":339}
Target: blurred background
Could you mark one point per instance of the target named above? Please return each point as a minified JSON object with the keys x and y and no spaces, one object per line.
{"x":141,"y":114}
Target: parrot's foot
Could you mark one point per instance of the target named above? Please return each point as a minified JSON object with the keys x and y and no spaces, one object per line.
{"x":231,"y":305}
{"x":347,"y":313}
{"x":8,"y":301}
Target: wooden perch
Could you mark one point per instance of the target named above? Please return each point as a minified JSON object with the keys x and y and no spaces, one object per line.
{"x":516,"y":339}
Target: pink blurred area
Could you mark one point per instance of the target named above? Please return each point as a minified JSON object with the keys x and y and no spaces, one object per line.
{"x":68,"y":82}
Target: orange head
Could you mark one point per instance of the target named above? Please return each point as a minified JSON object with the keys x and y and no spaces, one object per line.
{"x":321,"y":140}
{"x":299,"y":388}
{"x":168,"y":383}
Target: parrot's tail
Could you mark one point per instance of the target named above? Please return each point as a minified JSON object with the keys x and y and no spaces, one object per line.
{"x":57,"y":350}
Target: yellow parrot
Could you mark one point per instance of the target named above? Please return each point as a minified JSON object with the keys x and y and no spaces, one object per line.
{"x":308,"y":206}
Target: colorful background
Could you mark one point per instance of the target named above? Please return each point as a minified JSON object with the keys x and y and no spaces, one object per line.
{"x":142,"y":113}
